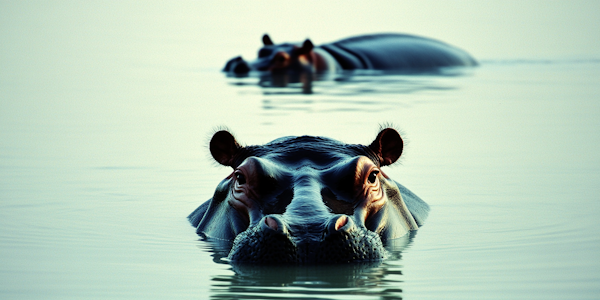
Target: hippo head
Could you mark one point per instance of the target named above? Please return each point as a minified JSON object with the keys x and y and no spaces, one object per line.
{"x":308,"y":200}
{"x":273,"y":58}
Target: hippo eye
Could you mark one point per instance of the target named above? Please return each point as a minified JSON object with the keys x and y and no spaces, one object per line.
{"x":241,"y":179}
{"x":373,"y":176}
{"x":279,"y":59}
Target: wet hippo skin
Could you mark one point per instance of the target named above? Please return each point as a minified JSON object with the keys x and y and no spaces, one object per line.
{"x":308,"y":199}
{"x":399,"y":52}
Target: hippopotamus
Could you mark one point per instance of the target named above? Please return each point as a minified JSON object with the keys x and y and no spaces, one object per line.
{"x":392,"y":52}
{"x":308,"y":199}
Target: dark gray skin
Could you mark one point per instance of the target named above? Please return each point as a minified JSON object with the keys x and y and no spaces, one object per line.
{"x":308,"y":200}
{"x":392,"y":52}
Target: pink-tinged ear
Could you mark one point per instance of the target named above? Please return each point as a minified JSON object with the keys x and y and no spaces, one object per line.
{"x":267,"y":40}
{"x":224,"y":147}
{"x":388,"y":146}
{"x":307,"y":46}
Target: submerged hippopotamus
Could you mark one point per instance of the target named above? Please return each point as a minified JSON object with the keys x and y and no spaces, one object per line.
{"x":308,"y":199}
{"x":398,"y":52}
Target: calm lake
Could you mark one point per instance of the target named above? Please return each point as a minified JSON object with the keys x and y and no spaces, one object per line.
{"x":106,"y":110}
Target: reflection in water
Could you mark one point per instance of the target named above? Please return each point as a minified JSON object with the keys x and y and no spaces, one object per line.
{"x":371,"y":91}
{"x":379,"y":279}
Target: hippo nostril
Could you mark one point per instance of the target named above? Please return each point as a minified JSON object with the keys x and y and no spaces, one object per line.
{"x":341,"y":221}
{"x":340,"y":224}
{"x":271,"y":223}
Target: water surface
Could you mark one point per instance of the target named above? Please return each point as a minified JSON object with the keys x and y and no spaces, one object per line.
{"x":104,"y":124}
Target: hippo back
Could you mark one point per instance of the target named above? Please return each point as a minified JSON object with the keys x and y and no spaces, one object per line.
{"x":396,"y":52}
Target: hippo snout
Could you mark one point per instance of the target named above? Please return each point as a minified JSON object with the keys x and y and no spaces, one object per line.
{"x":347,"y":242}
{"x":272,"y":241}
{"x":237,"y":65}
{"x":266,"y":242}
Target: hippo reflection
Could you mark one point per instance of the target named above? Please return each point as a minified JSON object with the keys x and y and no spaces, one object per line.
{"x":398,"y":52}
{"x":308,"y":200}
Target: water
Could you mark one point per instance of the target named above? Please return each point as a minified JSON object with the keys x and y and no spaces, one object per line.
{"x":105,"y":115}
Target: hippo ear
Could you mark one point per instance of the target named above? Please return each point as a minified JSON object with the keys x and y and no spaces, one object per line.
{"x":307,"y":46}
{"x":388,"y":146}
{"x":267,"y":40}
{"x":224,"y":147}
